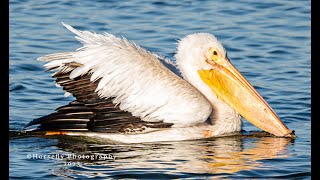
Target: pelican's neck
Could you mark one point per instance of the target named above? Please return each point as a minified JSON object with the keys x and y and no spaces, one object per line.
{"x":223,"y":117}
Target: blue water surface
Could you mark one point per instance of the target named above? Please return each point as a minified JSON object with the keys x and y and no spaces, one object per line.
{"x":268,"y":41}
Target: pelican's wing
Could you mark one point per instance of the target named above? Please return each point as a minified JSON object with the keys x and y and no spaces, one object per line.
{"x":96,"y":116}
{"x":112,"y":69}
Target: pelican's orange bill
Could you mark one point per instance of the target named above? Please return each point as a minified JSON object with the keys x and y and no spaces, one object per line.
{"x":230,"y":86}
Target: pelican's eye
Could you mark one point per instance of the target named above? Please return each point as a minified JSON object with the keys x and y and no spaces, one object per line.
{"x":215,"y":56}
{"x":214,"y":53}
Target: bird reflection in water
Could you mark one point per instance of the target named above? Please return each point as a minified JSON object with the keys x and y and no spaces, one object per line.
{"x":217,"y":155}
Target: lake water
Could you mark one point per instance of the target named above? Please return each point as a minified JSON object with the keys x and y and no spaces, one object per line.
{"x":268,"y":41}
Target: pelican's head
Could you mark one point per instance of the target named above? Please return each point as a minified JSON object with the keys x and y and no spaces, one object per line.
{"x":201,"y":57}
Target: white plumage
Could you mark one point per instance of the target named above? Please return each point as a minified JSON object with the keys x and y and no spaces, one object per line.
{"x":137,"y":79}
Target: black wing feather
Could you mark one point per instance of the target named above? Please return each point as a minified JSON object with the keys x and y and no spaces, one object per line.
{"x":89,"y":112}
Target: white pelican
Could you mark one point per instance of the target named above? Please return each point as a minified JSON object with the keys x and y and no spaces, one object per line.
{"x":128,"y":94}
